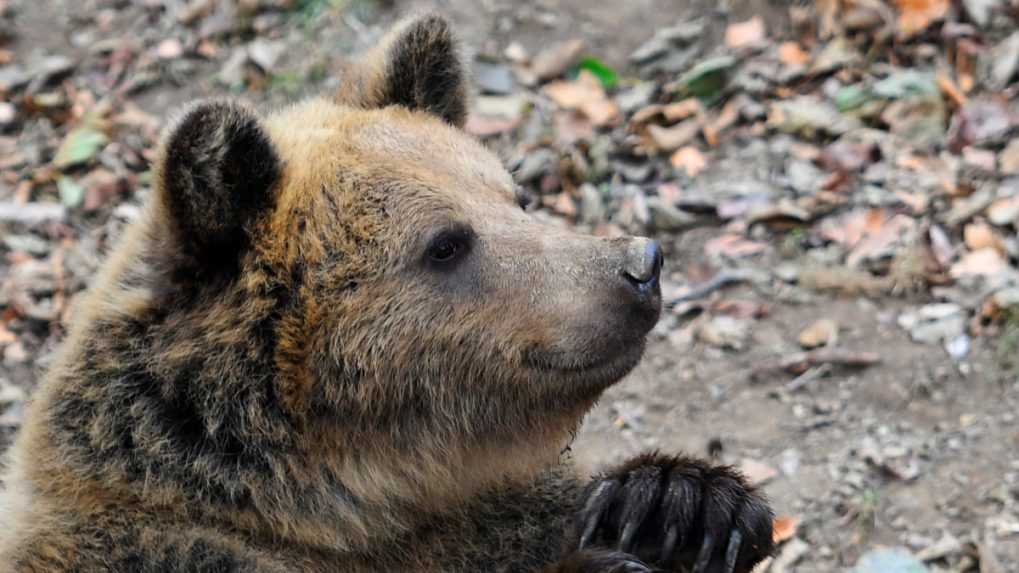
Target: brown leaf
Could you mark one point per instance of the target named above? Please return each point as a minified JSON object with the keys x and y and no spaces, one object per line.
{"x":823,"y":332}
{"x":983,"y":262}
{"x":791,"y":54}
{"x":915,"y":16}
{"x":672,"y":138}
{"x":486,"y":125}
{"x":690,"y":159}
{"x":552,"y":62}
{"x":745,"y":34}
{"x":757,"y":472}
{"x":682,"y":109}
{"x":586,"y":95}
{"x":733,"y":246}
{"x":784,"y":528}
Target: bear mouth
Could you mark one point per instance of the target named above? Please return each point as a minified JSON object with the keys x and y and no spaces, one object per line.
{"x":601,"y":370}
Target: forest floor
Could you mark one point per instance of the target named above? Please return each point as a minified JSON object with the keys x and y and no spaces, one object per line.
{"x":836,"y":185}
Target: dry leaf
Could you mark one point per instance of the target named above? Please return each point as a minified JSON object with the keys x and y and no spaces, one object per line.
{"x":586,"y":95}
{"x":690,"y":159}
{"x":915,"y":16}
{"x":823,"y":332}
{"x":981,"y":236}
{"x":757,"y":472}
{"x":784,"y":528}
{"x":682,"y":109}
{"x":486,"y":125}
{"x":672,"y":138}
{"x":745,"y":34}
{"x":733,"y":246}
{"x":985,"y":262}
{"x":791,"y":54}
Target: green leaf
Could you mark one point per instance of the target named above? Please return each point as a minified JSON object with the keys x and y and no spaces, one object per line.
{"x":902,"y":84}
{"x":606,"y":75}
{"x":852,"y":97}
{"x":71,"y":192}
{"x":80,"y":146}
{"x":707,"y":79}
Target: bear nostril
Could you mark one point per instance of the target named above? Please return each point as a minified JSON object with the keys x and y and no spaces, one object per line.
{"x":644,"y":263}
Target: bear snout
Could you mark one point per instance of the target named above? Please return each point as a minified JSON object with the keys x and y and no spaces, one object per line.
{"x":642,"y":265}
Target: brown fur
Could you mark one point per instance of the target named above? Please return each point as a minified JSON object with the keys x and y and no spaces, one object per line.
{"x":270,"y":375}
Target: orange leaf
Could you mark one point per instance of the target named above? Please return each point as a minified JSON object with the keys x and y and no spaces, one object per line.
{"x":690,"y":159}
{"x":791,"y":54}
{"x":745,"y":34}
{"x":784,"y":528}
{"x":915,"y":16}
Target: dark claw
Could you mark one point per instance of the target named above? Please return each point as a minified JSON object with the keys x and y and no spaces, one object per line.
{"x":596,"y":505}
{"x":732,"y":551}
{"x":704,"y":557}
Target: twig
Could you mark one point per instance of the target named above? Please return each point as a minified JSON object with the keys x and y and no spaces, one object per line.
{"x":808,"y":377}
{"x":722,"y":279}
{"x":802,"y":361}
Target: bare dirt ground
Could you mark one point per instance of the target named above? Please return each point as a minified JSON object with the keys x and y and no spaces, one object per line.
{"x":918,"y":451}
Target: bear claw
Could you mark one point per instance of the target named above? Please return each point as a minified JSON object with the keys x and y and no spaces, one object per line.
{"x":678,"y":512}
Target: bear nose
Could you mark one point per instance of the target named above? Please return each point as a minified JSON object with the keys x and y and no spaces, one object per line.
{"x":643,"y":263}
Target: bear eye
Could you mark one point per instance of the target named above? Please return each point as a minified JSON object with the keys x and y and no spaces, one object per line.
{"x":448,"y":247}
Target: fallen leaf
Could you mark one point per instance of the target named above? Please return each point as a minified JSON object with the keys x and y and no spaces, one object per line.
{"x":745,"y":34}
{"x":552,"y":62}
{"x":822,"y":332}
{"x":979,"y":236}
{"x":682,"y":109}
{"x":672,"y":138}
{"x":757,"y":472}
{"x":690,"y":159}
{"x":784,"y":528}
{"x":984,"y":262}
{"x":79,"y":146}
{"x":915,"y":16}
{"x":71,"y":192}
{"x":586,"y":95}
{"x":733,"y":246}
{"x":791,"y":54}
{"x":605,"y":74}
{"x":485,"y":126}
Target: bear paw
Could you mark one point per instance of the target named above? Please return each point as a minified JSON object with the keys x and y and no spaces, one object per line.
{"x":674,"y":511}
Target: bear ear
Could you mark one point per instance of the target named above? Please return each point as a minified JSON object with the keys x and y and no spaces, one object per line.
{"x":217,"y":172}
{"x":419,"y":66}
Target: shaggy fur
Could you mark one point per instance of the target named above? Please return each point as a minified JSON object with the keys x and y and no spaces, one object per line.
{"x":279,"y":369}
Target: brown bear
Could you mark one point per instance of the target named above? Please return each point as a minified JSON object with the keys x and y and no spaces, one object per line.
{"x":335,"y":342}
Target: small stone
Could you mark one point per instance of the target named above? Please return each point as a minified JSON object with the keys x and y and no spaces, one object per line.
{"x":804,"y":177}
{"x":493,"y":78}
{"x":169,"y":49}
{"x":266,"y":53}
{"x":552,"y":62}
{"x":725,"y":332}
{"x":1003,"y":63}
{"x":30,"y":244}
{"x":516,"y":53}
{"x":979,"y":11}
{"x":592,"y":205}
{"x":9,"y":393}
{"x":823,"y":332}
{"x":536,"y":164}
{"x":889,"y":560}
{"x":665,"y":217}
{"x":638,"y":96}
{"x":934,"y":323}
{"x":8,"y":114}
{"x":15,"y":353}
{"x":1008,"y":159}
